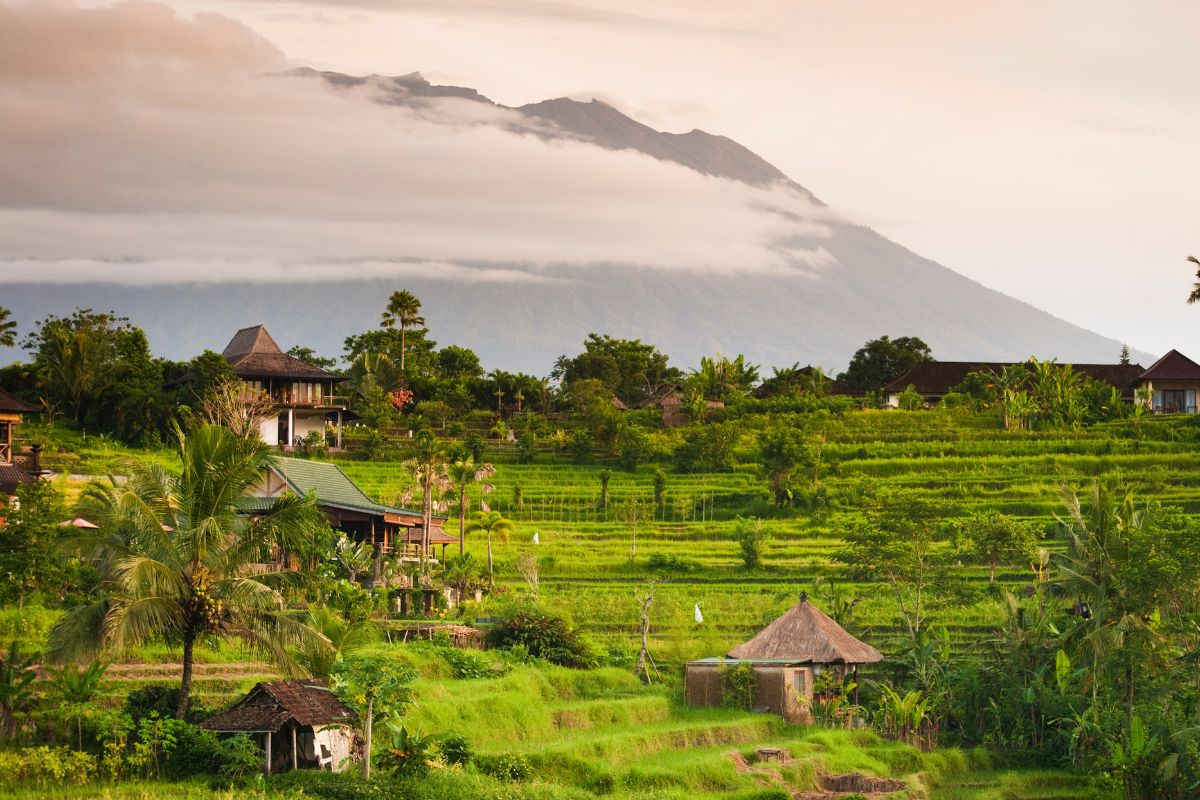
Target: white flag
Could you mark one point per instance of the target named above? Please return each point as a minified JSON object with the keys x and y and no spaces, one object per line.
{"x":699,"y":616}
{"x":535,"y":538}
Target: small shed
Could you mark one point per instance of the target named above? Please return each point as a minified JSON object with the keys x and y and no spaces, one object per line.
{"x":785,"y":655}
{"x":298,"y":724}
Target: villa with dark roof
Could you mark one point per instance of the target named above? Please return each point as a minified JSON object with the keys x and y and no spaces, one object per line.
{"x":1172,"y":383}
{"x":390,"y":530}
{"x":302,"y":395}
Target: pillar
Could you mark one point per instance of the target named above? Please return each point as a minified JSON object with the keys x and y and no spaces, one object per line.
{"x":339,"y":429}
{"x":267,"y":761}
{"x":291,"y":426}
{"x":295,"y":755}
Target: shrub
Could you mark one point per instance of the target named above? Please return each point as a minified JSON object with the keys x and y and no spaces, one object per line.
{"x":669,"y":562}
{"x":739,"y":684}
{"x":545,"y":635}
{"x":471,"y":664}
{"x":329,"y":786}
{"x":526,"y":447}
{"x":47,"y":766}
{"x":505,"y":767}
{"x":751,"y":540}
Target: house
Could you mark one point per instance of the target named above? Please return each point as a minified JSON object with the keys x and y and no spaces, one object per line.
{"x":786,"y":656}
{"x":1171,"y":383}
{"x":15,"y":468}
{"x":298,"y":725}
{"x":390,"y":530}
{"x":301,"y":395}
{"x":933,"y":380}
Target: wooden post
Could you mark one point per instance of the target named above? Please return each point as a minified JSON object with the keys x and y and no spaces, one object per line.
{"x":295,"y":755}
{"x":291,"y":426}
{"x":267,"y":763}
{"x":339,"y":429}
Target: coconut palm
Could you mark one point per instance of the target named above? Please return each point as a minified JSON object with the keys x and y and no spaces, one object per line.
{"x":1195,"y":295}
{"x":462,"y":473}
{"x":178,"y":559}
{"x":403,"y":309}
{"x":492,"y":524}
{"x":8,"y":329}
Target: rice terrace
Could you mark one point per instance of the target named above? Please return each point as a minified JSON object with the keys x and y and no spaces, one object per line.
{"x":523,"y":429}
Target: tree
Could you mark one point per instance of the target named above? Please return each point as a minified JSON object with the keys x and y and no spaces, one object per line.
{"x":342,"y":637}
{"x":1125,"y":355}
{"x":73,"y":354}
{"x":628,"y":368}
{"x":403,"y":310}
{"x":995,"y":539}
{"x":632,"y":512}
{"x":605,"y":477}
{"x":459,"y":363}
{"x":428,"y":467}
{"x":751,"y":539}
{"x":174,"y":553}
{"x":492,"y":524}
{"x":880,"y":361}
{"x":782,"y":452}
{"x":29,"y":538}
{"x":8,"y":329}
{"x":720,"y":378}
{"x":309,"y":356}
{"x":375,"y":687}
{"x":463,"y":473}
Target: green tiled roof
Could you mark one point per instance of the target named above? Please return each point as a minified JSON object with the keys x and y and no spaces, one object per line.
{"x":331,"y":486}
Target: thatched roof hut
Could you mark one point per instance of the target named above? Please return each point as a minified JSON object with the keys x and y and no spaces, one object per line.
{"x":805,"y":635}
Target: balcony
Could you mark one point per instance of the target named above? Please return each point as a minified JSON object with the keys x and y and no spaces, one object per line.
{"x":299,"y":399}
{"x":1169,"y":408}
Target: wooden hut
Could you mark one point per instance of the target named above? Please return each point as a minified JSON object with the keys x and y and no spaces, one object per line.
{"x":298,"y":724}
{"x":785,"y":655}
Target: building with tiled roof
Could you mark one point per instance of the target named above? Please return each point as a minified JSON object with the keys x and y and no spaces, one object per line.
{"x":14,"y":469}
{"x":297,"y":725}
{"x":1172,"y":383}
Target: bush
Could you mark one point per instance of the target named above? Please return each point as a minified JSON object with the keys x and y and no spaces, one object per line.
{"x":47,"y":766}
{"x":471,"y":664}
{"x":669,"y":562}
{"x":739,"y":684}
{"x":505,"y":767}
{"x":751,"y":540}
{"x":161,"y":700}
{"x":543,"y":634}
{"x":330,"y":786}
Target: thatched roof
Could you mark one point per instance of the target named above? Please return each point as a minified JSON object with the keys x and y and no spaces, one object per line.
{"x":804,"y":634}
{"x":270,"y":704}
{"x":12,"y":405}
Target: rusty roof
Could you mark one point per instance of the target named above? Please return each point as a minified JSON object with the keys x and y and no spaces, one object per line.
{"x":12,"y":405}
{"x":805,"y":634}
{"x":270,"y":704}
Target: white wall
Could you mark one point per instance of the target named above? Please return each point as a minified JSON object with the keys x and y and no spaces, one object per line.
{"x":269,"y":430}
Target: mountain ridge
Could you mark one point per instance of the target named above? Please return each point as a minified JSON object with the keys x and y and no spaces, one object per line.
{"x":878,"y":286}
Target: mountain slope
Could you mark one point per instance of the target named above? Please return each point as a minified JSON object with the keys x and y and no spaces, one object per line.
{"x":878,"y":287}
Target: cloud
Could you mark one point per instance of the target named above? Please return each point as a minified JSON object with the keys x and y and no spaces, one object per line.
{"x":139,"y":146}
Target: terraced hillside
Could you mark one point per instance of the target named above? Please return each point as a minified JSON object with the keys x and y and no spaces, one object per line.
{"x":591,"y":565}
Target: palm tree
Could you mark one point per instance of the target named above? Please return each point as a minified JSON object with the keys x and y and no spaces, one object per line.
{"x":429,"y":468}
{"x":403,"y":309}
{"x":1195,"y":295}
{"x":343,"y":637}
{"x":491,"y":523}
{"x":16,"y":688}
{"x":464,"y":472}
{"x":177,"y":559}
{"x":460,"y":572}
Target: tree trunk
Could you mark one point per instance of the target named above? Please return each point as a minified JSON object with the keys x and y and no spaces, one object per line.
{"x":185,"y":686}
{"x":426,"y":521}
{"x":402,"y":348}
{"x":366,"y":762}
{"x":462,"y":522}
{"x":491,"y":575}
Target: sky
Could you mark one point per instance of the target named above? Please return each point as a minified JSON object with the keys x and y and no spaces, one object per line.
{"x":1048,"y":150}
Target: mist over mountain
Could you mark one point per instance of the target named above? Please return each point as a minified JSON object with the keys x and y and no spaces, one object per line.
{"x":850,"y":283}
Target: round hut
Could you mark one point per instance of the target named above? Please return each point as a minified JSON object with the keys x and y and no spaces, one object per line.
{"x":785,"y":656}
